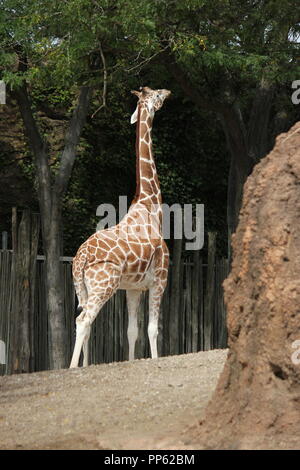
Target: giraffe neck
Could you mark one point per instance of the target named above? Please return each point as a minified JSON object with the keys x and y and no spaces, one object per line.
{"x":147,"y":184}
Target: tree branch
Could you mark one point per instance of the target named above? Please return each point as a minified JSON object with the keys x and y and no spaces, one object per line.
{"x":50,"y":113}
{"x":145,"y":61}
{"x":71,"y":140}
{"x":38,"y":147}
{"x":104,"y":92}
{"x":183,"y":80}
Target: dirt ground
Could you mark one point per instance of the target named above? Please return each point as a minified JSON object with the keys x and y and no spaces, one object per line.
{"x":144,"y":404}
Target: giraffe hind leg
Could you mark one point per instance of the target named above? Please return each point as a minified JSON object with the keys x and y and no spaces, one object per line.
{"x":82,"y":334}
{"x":82,"y":295}
{"x":83,"y":329}
{"x":133,"y":300}
{"x":100,"y":287}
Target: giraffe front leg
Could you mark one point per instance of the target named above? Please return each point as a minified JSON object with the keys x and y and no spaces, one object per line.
{"x":133,"y":300}
{"x":161,"y":263}
{"x":154,"y":306}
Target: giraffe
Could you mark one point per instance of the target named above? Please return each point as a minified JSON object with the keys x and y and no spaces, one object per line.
{"x":132,"y":255}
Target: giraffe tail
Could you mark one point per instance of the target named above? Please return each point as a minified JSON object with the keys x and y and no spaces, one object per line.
{"x":79,"y":263}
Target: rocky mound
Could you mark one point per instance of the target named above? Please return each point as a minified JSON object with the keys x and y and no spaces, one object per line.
{"x":257,"y":400}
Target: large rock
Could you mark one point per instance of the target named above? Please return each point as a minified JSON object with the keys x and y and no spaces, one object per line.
{"x":257,"y":400}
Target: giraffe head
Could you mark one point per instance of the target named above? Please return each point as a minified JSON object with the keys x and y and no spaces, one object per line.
{"x":152,"y":99}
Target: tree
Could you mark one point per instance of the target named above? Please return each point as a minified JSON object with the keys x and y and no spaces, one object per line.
{"x":231,"y":58}
{"x":36,"y":48}
{"x":50,"y":196}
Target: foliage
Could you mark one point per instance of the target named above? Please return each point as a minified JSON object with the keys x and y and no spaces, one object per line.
{"x":225,"y":48}
{"x":222,"y":38}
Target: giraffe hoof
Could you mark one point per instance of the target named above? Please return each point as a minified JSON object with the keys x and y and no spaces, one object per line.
{"x":79,"y":310}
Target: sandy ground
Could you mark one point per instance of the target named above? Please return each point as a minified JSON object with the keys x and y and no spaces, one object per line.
{"x":143,"y":404}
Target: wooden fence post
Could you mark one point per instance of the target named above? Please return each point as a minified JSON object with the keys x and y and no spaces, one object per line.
{"x":175,"y":297}
{"x":22,"y":316}
{"x":13,"y":328}
{"x":196,"y":301}
{"x":209,"y":292}
{"x":5,"y":302}
{"x":186,"y":310}
{"x":164,"y":344}
{"x":4,"y":240}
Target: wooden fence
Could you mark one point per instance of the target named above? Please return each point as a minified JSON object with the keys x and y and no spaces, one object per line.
{"x":192,"y":312}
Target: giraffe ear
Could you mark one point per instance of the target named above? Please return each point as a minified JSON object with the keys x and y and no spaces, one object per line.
{"x":136,"y":93}
{"x":134,"y":117}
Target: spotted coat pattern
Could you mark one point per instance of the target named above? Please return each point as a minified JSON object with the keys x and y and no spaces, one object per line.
{"x":131,"y":255}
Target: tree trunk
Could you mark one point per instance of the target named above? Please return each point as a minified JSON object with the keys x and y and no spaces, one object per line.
{"x":246,"y":146}
{"x":50,"y":197}
{"x":258,"y":126}
{"x":55,"y":294}
{"x":240,"y":163}
{"x":247,"y":143}
{"x":256,"y":404}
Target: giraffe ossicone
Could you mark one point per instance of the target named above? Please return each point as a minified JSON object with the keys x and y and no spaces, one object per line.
{"x":132,"y":255}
